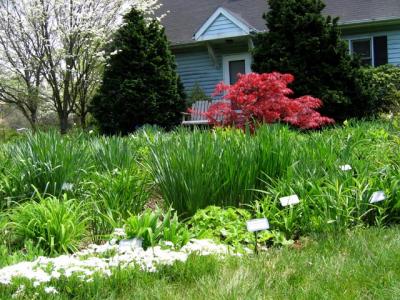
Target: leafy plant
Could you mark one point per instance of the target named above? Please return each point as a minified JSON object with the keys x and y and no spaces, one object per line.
{"x":56,"y":226}
{"x":197,"y":94}
{"x":154,"y":227}
{"x":110,"y":153}
{"x":113,"y":196}
{"x":49,"y":162}
{"x":257,"y":98}
{"x":385,"y":82}
{"x":197,"y":169}
{"x":229,"y":226}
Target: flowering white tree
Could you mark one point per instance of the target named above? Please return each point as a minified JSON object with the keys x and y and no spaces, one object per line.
{"x":21,"y":76}
{"x":60,"y":42}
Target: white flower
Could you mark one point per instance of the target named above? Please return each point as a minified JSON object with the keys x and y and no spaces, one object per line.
{"x":85,"y":263}
{"x":67,"y":186}
{"x":50,"y":290}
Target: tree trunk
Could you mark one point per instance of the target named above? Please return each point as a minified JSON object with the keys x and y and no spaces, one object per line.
{"x":63,"y":123}
{"x":83,"y":120}
{"x":33,"y":119}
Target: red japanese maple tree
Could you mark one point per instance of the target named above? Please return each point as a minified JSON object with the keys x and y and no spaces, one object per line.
{"x":264,"y":98}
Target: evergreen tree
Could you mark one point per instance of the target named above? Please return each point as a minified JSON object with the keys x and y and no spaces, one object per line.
{"x":303,"y":42}
{"x":140,"y":84}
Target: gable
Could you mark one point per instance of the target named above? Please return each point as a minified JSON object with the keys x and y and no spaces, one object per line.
{"x":222,"y":24}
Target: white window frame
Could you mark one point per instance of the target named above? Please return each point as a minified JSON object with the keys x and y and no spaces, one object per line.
{"x":371,"y":44}
{"x":226,"y":59}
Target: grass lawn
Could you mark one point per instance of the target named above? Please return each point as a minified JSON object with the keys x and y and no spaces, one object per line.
{"x":361,"y":264}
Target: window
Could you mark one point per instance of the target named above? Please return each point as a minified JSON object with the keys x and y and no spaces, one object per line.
{"x":235,"y":64}
{"x":236,"y":67}
{"x":380,"y":50}
{"x":372,"y":50}
{"x":363,"y":49}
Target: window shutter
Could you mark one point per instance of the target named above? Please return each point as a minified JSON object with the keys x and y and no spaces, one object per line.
{"x":380,"y":50}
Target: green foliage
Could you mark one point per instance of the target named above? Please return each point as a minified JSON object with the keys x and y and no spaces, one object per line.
{"x":56,"y":226}
{"x":109,"y":153}
{"x":197,"y":94}
{"x":356,"y":265}
{"x":8,"y":135}
{"x":230,"y":168}
{"x":48,"y":163}
{"x":303,"y":42}
{"x":385,"y":82}
{"x":190,"y":170}
{"x":190,"y":271}
{"x":229,"y":226}
{"x":140,"y":84}
{"x":9,"y":255}
{"x":155,"y":227}
{"x":197,"y":169}
{"x":114,"y":196}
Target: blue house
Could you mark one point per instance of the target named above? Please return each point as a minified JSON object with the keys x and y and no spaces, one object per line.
{"x":211,"y":39}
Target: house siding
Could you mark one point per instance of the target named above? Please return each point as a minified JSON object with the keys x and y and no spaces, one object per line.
{"x":195,"y":65}
{"x":394,"y":47}
{"x":221,"y":26}
{"x":393,"y":40}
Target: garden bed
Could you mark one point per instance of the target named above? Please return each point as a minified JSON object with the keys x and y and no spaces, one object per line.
{"x":54,"y":202}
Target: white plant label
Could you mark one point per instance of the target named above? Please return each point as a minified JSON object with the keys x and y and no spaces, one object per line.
{"x":289,"y":200}
{"x":129,"y":244}
{"x":345,"y":168}
{"x":377,"y":197}
{"x":257,"y":225}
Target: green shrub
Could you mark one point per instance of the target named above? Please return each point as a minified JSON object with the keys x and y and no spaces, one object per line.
{"x":303,"y":41}
{"x":197,"y":94}
{"x":56,"y":226}
{"x":140,"y":84}
{"x":385,"y":83}
{"x":154,"y":227}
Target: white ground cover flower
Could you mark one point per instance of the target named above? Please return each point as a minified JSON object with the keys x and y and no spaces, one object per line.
{"x":102,"y":259}
{"x":50,"y":290}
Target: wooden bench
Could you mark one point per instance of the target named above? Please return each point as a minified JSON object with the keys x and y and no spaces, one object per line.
{"x":196,"y":117}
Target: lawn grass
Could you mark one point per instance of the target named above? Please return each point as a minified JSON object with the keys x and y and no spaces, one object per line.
{"x":361,"y":264}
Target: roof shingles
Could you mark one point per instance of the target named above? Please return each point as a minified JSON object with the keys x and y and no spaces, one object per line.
{"x":185,"y":17}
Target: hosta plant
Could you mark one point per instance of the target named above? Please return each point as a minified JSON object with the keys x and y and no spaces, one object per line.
{"x":156,"y":227}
